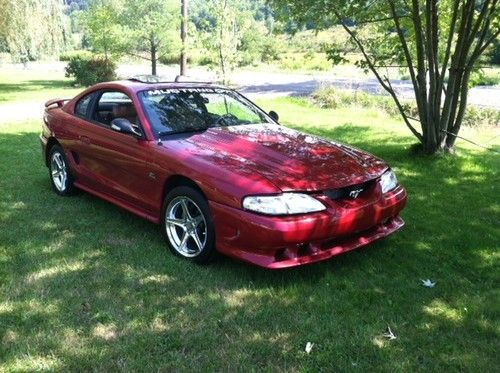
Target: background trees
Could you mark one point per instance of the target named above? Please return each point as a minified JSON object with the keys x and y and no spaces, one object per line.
{"x":153,"y":27}
{"x":31,"y":29}
{"x":439,"y":42}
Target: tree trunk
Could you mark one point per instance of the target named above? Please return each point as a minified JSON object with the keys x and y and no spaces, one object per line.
{"x":153,"y":56}
{"x":184,"y":25}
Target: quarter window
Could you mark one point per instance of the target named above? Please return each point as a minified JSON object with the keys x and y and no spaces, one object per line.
{"x":82,"y":105}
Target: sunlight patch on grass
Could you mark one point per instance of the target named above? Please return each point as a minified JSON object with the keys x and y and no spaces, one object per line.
{"x":158,"y":325}
{"x":34,"y":363}
{"x":380,"y":341}
{"x":60,"y":269}
{"x":238,"y":298}
{"x":156,"y":279}
{"x":10,"y":337}
{"x":6,"y":307}
{"x":443,"y":310}
{"x":107,"y":332}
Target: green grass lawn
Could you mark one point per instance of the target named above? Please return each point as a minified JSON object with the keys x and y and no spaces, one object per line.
{"x":87,"y":286}
{"x":32,"y":85}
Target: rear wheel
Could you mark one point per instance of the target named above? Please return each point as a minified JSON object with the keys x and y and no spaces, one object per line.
{"x":60,"y":176}
{"x":187,"y":225}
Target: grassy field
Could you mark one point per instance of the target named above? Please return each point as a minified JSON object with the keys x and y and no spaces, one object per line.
{"x":33,"y":85}
{"x":87,"y":286}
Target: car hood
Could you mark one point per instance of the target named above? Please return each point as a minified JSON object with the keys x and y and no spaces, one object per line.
{"x":289,"y":159}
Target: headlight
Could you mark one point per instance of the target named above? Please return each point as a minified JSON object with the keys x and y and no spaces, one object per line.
{"x":388,"y":181}
{"x":283,"y":204}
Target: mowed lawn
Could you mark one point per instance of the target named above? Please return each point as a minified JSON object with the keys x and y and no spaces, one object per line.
{"x":86,"y":286}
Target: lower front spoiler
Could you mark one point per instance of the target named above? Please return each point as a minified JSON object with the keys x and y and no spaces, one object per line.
{"x":318,"y":251}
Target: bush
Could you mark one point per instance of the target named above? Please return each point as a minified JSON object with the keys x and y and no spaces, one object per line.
{"x":305,"y":61}
{"x":475,"y":117}
{"x":482,"y":77}
{"x":333,"y":98}
{"x":67,"y":56}
{"x":170,"y":59}
{"x":90,"y":70}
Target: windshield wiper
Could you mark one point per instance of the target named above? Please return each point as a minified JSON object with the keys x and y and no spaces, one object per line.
{"x":191,"y":130}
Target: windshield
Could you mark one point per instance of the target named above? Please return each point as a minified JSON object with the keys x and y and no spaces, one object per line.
{"x":195,"y":109}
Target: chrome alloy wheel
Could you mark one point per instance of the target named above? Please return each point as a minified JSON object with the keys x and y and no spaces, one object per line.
{"x":185,"y":226}
{"x":58,"y":171}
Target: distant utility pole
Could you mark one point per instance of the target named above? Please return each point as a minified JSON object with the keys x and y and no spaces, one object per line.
{"x":184,"y":26}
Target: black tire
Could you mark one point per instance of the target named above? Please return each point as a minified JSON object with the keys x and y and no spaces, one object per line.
{"x":174,"y":233}
{"x":59,"y":173}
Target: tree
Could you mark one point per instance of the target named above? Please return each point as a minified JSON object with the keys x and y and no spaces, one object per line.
{"x":153,"y":27}
{"x":101,"y":22}
{"x":32,"y":28}
{"x":436,"y":40}
{"x":225,"y":36}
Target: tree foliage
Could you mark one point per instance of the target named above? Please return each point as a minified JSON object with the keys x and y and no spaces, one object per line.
{"x":225,"y":37}
{"x":103,"y":29}
{"x":30,"y":29}
{"x":153,"y":28}
{"x":436,"y":40}
{"x":143,"y":28}
{"x":235,"y":33}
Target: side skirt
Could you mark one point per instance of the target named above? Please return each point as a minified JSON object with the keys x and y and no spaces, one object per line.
{"x":120,"y":203}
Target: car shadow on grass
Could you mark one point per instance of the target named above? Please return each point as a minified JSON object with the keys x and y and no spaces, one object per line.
{"x":86,"y":285}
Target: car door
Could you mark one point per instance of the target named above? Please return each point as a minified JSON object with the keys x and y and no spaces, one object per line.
{"x":118,"y":164}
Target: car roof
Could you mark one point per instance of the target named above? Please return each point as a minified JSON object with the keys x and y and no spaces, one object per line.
{"x":135,"y":84}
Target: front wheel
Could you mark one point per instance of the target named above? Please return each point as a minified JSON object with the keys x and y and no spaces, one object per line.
{"x":60,"y":176}
{"x":187,"y":225}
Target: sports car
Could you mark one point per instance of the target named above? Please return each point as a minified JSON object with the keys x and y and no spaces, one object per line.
{"x":217,"y":173}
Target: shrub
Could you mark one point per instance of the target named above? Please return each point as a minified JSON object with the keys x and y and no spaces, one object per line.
{"x":173,"y":59}
{"x":67,"y":56}
{"x":90,"y":70}
{"x":475,"y":117}
{"x":482,"y":77}
{"x":334,"y":98}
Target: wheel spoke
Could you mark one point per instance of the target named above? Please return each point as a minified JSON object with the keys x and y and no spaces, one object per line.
{"x":183,"y":244}
{"x":185,"y":209}
{"x":177,"y":222}
{"x":59,"y":162}
{"x":197,"y":220}
{"x":197,"y":240}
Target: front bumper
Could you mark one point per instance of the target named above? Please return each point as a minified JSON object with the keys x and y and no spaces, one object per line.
{"x":281,"y":242}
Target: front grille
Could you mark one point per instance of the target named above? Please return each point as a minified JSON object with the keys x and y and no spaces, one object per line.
{"x":351,"y":191}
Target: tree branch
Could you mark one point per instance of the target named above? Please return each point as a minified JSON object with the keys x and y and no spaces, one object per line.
{"x":448,"y":46}
{"x":421,"y":70}
{"x":402,"y":111}
{"x":385,"y":84}
{"x":405,"y":48}
{"x":138,"y":55}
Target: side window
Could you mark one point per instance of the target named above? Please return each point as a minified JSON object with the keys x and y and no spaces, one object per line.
{"x":82,"y":105}
{"x":112,"y":105}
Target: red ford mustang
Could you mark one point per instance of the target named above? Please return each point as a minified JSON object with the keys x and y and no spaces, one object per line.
{"x":219,"y":174}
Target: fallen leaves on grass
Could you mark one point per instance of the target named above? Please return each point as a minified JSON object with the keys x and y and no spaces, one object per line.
{"x":428,"y":283}
{"x":389,"y":334}
{"x":309,"y":347}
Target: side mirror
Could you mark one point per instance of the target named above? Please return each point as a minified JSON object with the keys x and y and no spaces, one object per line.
{"x":274,"y":115}
{"x":123,"y":125}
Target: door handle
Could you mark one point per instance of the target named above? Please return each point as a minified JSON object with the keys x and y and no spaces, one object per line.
{"x":85,"y":139}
